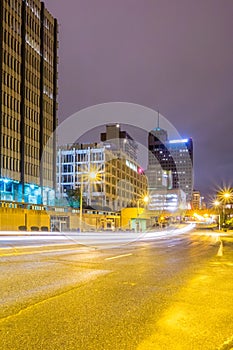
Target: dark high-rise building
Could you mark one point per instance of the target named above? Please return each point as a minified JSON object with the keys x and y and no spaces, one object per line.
{"x":159,"y":153}
{"x":28,"y":101}
{"x":181,"y":152}
{"x":172,"y":155}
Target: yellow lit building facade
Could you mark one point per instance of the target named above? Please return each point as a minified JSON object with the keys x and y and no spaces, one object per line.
{"x":28,"y":101}
{"x":120,"y":181}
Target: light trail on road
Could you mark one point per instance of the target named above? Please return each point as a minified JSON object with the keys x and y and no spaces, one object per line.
{"x":89,"y":239}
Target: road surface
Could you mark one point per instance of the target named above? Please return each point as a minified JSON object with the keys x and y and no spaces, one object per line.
{"x":164,"y":292}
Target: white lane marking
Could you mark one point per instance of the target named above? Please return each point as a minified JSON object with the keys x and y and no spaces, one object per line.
{"x":118,"y":256}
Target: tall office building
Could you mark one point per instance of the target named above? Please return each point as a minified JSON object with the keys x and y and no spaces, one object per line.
{"x":175,"y":156}
{"x":196,"y":200}
{"x":182,"y":153}
{"x":28,"y":101}
{"x":159,"y":153}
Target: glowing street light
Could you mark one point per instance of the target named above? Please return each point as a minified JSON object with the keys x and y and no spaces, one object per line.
{"x":91,"y":176}
{"x":145,"y":200}
{"x":223,"y":197}
{"x":226,"y":195}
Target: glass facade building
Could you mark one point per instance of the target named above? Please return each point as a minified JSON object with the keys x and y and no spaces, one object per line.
{"x":28,"y":101}
{"x":175,"y":156}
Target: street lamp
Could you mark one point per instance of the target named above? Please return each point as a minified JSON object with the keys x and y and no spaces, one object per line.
{"x":223,"y":197}
{"x":90,"y":176}
{"x":144,"y":199}
{"x":226,"y":195}
{"x":93,"y":175}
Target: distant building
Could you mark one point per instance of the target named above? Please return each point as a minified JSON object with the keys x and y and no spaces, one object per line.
{"x":28,"y":101}
{"x":196,"y":200}
{"x":158,"y":178}
{"x":167,"y":200}
{"x":120,"y":180}
{"x":120,"y":140}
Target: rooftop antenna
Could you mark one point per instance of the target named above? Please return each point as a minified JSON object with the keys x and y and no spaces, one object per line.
{"x":158,"y":120}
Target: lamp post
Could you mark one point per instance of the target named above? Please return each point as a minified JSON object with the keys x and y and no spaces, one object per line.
{"x":145,"y":199}
{"x":226,"y":197}
{"x":81,"y":205}
{"x":219,"y":219}
{"x":91,"y":176}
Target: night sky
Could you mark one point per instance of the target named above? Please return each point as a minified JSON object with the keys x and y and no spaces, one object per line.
{"x":175,"y":54}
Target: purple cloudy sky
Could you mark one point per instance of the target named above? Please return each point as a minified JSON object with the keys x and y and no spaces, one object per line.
{"x":175,"y":54}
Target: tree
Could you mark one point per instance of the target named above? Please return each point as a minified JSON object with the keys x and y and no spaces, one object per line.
{"x":73,"y":197}
{"x":229,"y":223}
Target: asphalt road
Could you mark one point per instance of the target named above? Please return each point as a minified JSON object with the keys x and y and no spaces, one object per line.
{"x":171,"y":292}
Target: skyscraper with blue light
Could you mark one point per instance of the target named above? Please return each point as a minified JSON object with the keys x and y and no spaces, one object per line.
{"x":175,"y":156}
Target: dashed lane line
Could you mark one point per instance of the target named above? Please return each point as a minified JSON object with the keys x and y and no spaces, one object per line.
{"x":118,"y":256}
